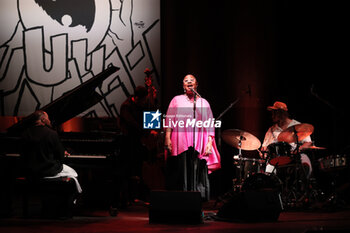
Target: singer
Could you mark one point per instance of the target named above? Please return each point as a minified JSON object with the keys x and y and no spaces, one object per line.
{"x":180,"y":140}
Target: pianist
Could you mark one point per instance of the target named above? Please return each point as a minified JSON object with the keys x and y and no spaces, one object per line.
{"x":42,"y":152}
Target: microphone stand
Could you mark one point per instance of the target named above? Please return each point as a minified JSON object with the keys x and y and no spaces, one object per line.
{"x":191,"y":156}
{"x":195,"y":94}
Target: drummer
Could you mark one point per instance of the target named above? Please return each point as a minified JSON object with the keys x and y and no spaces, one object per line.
{"x":281,"y":122}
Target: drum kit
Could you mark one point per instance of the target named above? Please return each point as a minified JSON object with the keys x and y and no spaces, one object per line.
{"x":289,"y":175}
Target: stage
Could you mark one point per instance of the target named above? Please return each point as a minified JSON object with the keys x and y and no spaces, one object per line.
{"x":135,"y":219}
{"x":244,"y":55}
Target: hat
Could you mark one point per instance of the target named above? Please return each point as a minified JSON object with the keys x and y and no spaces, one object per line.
{"x":278,"y":106}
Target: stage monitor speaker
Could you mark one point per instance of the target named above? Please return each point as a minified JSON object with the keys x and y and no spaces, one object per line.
{"x":252,"y":206}
{"x":175,"y":207}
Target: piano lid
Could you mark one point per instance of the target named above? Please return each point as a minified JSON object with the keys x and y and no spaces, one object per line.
{"x":71,"y":103}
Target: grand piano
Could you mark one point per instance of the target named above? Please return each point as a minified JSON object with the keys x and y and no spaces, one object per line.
{"x":93,"y":152}
{"x":84,"y":141}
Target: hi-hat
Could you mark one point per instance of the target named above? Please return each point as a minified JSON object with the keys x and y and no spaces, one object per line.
{"x":295,"y":133}
{"x":241,"y":139}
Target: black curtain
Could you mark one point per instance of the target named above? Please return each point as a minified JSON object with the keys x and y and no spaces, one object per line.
{"x":260,"y":52}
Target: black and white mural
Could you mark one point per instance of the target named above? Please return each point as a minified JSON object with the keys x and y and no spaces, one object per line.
{"x":48,"y":47}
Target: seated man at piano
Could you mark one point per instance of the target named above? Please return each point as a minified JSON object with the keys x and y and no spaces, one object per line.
{"x":42,"y":152}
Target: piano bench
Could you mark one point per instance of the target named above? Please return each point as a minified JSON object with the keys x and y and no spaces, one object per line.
{"x":55,"y":195}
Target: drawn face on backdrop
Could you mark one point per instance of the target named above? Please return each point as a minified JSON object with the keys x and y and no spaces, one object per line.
{"x":79,"y":19}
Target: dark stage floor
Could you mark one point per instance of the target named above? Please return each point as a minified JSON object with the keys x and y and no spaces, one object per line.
{"x":135,"y":219}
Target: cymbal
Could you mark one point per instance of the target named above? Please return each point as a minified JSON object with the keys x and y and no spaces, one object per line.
{"x":295,"y":133}
{"x":313,"y":148}
{"x":234,"y":136}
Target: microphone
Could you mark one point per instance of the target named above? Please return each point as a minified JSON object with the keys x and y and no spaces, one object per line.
{"x":195,"y":92}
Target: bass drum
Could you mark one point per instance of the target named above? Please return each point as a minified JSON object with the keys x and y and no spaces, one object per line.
{"x":261,"y":181}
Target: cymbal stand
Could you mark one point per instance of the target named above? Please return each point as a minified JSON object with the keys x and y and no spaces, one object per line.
{"x":300,"y":186}
{"x":238,"y":182}
{"x":219,"y":117}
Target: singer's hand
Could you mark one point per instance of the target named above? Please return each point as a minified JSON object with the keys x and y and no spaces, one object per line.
{"x":208,"y":148}
{"x":167,"y":144}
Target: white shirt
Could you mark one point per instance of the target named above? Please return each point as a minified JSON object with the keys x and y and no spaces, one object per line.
{"x":273,"y":132}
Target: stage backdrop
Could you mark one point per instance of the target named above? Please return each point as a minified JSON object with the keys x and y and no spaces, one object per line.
{"x":49,"y":47}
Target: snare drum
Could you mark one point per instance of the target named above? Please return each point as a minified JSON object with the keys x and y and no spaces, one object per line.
{"x":279,"y":153}
{"x":250,"y":166}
